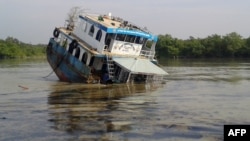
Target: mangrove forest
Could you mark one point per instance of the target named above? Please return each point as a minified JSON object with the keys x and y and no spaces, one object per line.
{"x":231,"y":45}
{"x":13,"y":48}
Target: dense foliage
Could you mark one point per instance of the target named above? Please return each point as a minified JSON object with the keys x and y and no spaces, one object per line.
{"x":215,"y":46}
{"x":13,"y":48}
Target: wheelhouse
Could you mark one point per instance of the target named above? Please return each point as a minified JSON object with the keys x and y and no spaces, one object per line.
{"x":114,"y":35}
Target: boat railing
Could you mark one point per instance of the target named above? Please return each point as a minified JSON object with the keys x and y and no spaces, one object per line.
{"x":147,"y":53}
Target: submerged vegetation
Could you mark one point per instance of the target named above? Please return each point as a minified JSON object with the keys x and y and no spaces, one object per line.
{"x":231,"y":45}
{"x":13,"y":48}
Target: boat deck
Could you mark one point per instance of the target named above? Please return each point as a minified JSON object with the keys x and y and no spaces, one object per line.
{"x":81,"y":42}
{"x":106,"y":21}
{"x":113,"y":22}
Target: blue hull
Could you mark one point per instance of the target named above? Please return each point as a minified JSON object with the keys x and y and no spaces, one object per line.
{"x":67,"y":67}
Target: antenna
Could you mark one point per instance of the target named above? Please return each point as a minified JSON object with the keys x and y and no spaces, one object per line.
{"x":110,"y":15}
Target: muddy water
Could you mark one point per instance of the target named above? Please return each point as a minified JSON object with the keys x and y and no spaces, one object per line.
{"x":199,"y":97}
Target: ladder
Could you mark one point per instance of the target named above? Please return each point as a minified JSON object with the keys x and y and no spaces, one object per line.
{"x":110,"y":67}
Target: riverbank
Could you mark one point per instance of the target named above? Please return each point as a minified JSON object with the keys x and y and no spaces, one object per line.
{"x":13,"y":48}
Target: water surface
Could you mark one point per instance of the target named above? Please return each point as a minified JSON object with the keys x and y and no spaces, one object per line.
{"x":199,"y":97}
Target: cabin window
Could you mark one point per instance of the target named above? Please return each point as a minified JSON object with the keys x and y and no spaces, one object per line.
{"x":117,"y":70}
{"x":84,"y":57}
{"x":99,"y":35}
{"x":139,"y":40}
{"x":149,"y":43}
{"x":130,"y":38}
{"x":71,"y":48}
{"x":92,"y":61}
{"x":78,"y":51}
{"x":123,"y":76}
{"x":92,"y":30}
{"x":108,"y":38}
{"x":144,"y":42}
{"x":120,"y":37}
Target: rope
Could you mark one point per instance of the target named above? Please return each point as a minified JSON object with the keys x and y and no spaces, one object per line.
{"x":59,"y":63}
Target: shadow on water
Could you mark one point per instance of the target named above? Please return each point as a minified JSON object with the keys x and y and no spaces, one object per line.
{"x":98,"y":111}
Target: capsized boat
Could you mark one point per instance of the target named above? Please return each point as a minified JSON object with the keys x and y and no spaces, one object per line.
{"x":104,"y":49}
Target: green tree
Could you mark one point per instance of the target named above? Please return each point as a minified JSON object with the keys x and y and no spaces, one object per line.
{"x":232,"y":43}
{"x":13,"y":48}
{"x":245,"y":50}
{"x":213,"y":46}
{"x":193,"y":48}
{"x":167,"y":46}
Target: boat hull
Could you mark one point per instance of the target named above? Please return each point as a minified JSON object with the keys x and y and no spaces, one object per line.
{"x":67,"y":67}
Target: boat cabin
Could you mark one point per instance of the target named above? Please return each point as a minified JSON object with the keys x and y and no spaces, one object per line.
{"x":114,"y":35}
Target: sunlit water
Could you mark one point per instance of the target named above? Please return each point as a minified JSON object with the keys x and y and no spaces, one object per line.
{"x":199,"y":97}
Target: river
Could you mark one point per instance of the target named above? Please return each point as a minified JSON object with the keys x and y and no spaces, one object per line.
{"x":198,"y":98}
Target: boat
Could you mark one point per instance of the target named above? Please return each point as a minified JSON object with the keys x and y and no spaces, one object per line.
{"x":103,"y":49}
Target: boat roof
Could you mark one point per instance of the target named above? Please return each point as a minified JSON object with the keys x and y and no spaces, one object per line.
{"x":139,"y":66}
{"x":117,"y":25}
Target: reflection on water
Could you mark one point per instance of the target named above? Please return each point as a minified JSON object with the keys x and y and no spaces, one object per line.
{"x":198,"y":98}
{"x":98,"y":111}
{"x":208,"y":70}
